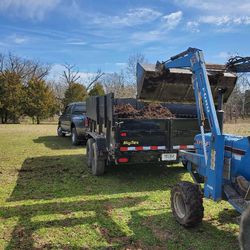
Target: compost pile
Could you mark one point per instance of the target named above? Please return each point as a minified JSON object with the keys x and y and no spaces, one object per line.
{"x":126,"y":111}
{"x":150,"y":111}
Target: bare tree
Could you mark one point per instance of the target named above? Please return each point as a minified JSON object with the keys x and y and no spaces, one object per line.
{"x":96,"y":77}
{"x":58,"y":88}
{"x":25,"y":69}
{"x":1,"y":62}
{"x":237,"y":104}
{"x":70,"y":74}
{"x":123,"y":85}
{"x":116,"y":83}
{"x":131,"y":66}
{"x":38,"y":70}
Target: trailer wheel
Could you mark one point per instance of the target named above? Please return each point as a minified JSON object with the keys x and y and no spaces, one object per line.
{"x":187,"y":204}
{"x":89,"y":151}
{"x":97,"y":165}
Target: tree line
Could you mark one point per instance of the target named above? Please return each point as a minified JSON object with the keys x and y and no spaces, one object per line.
{"x":238,"y":104}
{"x":25,"y":90}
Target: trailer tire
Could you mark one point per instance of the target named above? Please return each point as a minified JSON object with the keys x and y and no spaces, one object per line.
{"x":187,"y":204}
{"x":89,"y":151}
{"x":97,"y":165}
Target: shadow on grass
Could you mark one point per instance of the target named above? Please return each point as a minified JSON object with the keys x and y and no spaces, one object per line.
{"x":56,"y":142}
{"x":50,"y":177}
{"x":229,"y":216}
{"x":93,"y":216}
{"x":90,"y":219}
{"x":159,"y":230}
{"x":149,"y":228}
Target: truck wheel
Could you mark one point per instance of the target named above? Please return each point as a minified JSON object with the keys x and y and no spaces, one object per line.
{"x":97,"y":165}
{"x":89,"y":151}
{"x":60,"y":132}
{"x":187,"y":204}
{"x":74,"y":137}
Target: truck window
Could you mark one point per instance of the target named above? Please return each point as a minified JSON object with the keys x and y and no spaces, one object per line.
{"x":67,"y":110}
{"x":79,"y":108}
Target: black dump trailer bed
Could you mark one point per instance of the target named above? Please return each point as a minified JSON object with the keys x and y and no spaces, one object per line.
{"x":114,"y":140}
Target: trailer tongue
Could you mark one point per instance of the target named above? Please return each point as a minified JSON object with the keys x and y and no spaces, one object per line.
{"x":175,"y":85}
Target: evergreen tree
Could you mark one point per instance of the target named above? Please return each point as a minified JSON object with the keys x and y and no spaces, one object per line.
{"x":40,"y":101}
{"x":74,"y":93}
{"x":11,"y":96}
{"x":97,"y":90}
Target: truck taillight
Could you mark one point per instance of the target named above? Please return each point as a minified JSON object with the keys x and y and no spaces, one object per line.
{"x":86,"y":122}
{"x":123,"y":160}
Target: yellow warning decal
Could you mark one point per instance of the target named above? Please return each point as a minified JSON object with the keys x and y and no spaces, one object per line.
{"x":130,"y":143}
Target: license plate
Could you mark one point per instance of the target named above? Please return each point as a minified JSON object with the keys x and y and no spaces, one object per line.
{"x":168,"y":157}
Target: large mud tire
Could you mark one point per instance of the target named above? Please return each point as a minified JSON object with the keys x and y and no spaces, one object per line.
{"x":187,"y":204}
{"x":98,"y":165}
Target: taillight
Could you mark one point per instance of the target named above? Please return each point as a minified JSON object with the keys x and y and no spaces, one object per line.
{"x":123,"y":160}
{"x":123,"y":134}
{"x":123,"y":148}
{"x":86,"y":122}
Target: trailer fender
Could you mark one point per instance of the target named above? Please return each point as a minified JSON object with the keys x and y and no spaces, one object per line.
{"x":101,"y":144}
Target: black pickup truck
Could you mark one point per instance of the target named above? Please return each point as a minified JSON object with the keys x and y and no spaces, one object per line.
{"x":121,"y":141}
{"x":73,"y":121}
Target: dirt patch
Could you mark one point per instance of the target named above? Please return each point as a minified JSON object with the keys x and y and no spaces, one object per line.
{"x":149,"y":111}
{"x":161,"y":234}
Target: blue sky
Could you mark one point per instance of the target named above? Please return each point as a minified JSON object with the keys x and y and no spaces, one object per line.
{"x":98,"y":34}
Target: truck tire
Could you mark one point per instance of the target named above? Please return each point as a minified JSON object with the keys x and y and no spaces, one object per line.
{"x":74,"y":137}
{"x":89,"y":151}
{"x":187,"y":204}
{"x":97,"y":164}
{"x":60,"y":131}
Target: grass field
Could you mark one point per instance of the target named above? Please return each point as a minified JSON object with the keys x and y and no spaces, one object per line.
{"x":48,"y":200}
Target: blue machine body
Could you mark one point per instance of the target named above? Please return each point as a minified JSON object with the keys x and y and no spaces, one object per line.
{"x":236,"y":155}
{"x":237,"y":149}
{"x":218,"y":159}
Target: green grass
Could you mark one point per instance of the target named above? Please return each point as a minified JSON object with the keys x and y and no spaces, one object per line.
{"x":48,"y":200}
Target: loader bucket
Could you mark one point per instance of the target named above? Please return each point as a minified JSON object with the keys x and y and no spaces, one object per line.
{"x":175,"y":85}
